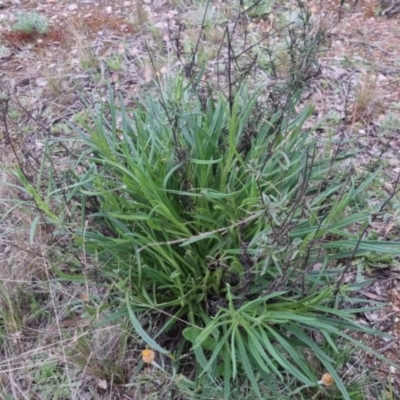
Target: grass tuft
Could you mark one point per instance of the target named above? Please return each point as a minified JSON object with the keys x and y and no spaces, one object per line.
{"x":30,"y":22}
{"x":200,"y":239}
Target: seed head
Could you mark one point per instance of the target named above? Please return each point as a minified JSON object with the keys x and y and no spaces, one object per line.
{"x":326,"y":379}
{"x":148,"y":356}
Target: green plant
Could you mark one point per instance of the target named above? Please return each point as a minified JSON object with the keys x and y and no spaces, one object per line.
{"x":50,"y":382}
{"x":224,"y":226}
{"x":30,"y":22}
{"x":210,"y":217}
{"x":391,"y":122}
{"x":257,"y":9}
{"x":115,"y":62}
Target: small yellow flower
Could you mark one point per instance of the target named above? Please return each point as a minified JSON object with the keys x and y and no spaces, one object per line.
{"x":148,"y":356}
{"x":326,"y":380}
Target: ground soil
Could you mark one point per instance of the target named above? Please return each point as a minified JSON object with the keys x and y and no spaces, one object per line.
{"x":46,"y":73}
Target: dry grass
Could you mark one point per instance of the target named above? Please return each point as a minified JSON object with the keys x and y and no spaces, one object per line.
{"x":50,"y":345}
{"x":367,"y":104}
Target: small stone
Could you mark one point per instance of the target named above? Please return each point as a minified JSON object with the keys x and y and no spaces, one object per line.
{"x":73,"y":7}
{"x":172,"y":13}
{"x":161,"y":25}
{"x":41,"y":82}
{"x":102,"y":384}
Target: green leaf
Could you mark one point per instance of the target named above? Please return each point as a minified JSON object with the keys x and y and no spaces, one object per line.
{"x":246,"y":363}
{"x":191,"y":334}
{"x":141,"y":332}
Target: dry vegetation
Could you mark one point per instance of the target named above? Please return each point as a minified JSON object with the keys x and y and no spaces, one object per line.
{"x":54,"y":341}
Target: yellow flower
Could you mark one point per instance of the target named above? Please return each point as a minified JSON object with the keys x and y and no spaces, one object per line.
{"x":148,"y":356}
{"x":326,"y":380}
